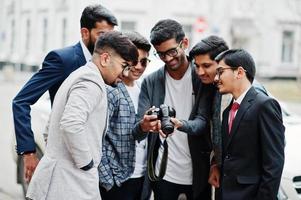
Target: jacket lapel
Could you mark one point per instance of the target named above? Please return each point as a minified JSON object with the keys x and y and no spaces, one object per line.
{"x":129,"y":100}
{"x":243,"y":108}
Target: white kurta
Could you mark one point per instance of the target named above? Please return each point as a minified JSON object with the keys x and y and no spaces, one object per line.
{"x":77,"y":123}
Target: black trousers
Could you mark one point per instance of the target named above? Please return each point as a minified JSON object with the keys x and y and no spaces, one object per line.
{"x":129,"y":190}
{"x":164,"y":190}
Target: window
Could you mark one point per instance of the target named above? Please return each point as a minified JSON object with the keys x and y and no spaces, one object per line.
{"x":45,"y":34}
{"x":27,"y":37}
{"x":287,"y":46}
{"x":128,"y":26}
{"x":12,"y":41}
{"x":64,"y":32}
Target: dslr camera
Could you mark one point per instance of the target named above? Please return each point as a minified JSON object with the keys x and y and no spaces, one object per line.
{"x":164,"y":113}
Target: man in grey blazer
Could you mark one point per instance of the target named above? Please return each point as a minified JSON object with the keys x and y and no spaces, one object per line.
{"x":56,"y":67}
{"x":68,"y":169}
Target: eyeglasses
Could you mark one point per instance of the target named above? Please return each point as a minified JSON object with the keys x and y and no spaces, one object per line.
{"x":220,"y":70}
{"x":126,"y":67}
{"x":171,"y":52}
{"x":144,"y":62}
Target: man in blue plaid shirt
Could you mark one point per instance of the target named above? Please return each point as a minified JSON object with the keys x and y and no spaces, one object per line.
{"x":123,"y":164}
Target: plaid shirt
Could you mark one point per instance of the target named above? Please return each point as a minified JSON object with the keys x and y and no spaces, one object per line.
{"x":118,"y":149}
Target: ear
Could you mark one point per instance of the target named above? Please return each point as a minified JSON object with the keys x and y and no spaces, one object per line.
{"x":185,"y":43}
{"x":104,"y":59}
{"x":241,"y":72}
{"x":85,"y":34}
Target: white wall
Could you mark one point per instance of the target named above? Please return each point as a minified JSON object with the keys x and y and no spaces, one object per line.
{"x":258,"y":23}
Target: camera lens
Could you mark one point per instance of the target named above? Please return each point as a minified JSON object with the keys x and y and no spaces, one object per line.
{"x":167,"y":129}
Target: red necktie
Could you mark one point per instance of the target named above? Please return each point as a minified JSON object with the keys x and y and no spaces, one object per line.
{"x":234,"y":108}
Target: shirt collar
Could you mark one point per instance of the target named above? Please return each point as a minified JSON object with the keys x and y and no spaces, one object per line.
{"x":242,"y":96}
{"x":87,"y":53}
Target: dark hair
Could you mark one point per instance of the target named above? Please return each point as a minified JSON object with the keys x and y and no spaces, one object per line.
{"x":96,"y":13}
{"x":119,"y":43}
{"x":166,"y":29}
{"x":239,"y":58}
{"x":212,"y":45}
{"x":139,"y":41}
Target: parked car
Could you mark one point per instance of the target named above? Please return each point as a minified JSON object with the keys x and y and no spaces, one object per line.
{"x":40,"y":115}
{"x":290,"y":187}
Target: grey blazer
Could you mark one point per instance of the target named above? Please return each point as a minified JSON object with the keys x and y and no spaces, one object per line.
{"x":77,"y":123}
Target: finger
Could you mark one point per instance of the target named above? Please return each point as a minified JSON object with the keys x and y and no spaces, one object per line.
{"x":151,"y":117}
{"x":25,"y":170}
{"x":156,"y":124}
{"x":173,"y":120}
{"x":159,"y":125}
{"x":27,"y":176}
{"x":217,"y":182}
{"x":162,"y":134}
{"x":150,"y":109}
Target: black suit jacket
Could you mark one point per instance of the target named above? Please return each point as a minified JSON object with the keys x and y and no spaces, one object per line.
{"x":253,"y":153}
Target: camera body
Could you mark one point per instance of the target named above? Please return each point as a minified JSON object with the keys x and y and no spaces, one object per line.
{"x":164,"y":113}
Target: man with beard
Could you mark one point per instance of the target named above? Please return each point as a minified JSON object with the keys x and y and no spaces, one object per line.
{"x":176,"y":84}
{"x":56,"y":67}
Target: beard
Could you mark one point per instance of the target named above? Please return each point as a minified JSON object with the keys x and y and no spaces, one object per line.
{"x":90,"y":46}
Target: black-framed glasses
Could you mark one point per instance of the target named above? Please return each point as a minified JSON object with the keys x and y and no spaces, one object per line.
{"x":220,"y":70}
{"x":171,"y":52}
{"x":125,"y":69}
{"x":144,"y":62}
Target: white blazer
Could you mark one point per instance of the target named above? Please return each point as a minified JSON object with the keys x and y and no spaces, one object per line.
{"x":77,"y":123}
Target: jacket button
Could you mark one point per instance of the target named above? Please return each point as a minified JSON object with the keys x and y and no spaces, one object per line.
{"x":228,"y":156}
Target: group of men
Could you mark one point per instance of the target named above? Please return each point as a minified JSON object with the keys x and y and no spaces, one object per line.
{"x":105,"y":137}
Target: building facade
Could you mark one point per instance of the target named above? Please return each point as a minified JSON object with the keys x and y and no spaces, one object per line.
{"x":269,"y":29}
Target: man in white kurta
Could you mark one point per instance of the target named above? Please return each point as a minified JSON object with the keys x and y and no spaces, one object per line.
{"x":68,"y":169}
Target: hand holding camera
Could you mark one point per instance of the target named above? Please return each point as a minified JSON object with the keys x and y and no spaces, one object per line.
{"x":164,"y":114}
{"x":149,"y":123}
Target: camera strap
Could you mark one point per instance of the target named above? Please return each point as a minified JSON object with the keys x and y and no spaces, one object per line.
{"x":152,"y":157}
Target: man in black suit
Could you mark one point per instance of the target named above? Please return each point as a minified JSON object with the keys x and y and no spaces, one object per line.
{"x":252,"y":132}
{"x":56,"y":67}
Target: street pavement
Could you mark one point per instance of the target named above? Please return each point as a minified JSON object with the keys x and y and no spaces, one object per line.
{"x":9,"y":189}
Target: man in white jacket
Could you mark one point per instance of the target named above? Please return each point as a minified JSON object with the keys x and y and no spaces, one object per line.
{"x":68,"y":169}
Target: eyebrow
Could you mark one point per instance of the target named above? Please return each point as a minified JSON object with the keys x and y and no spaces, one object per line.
{"x":167,"y":50}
